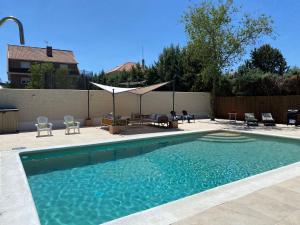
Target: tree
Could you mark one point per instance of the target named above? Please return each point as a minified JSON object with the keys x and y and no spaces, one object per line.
{"x":61,"y":79}
{"x":291,"y":82}
{"x":191,"y":79}
{"x":181,"y":62}
{"x":218,"y":40}
{"x":44,"y":75}
{"x":169,"y":63}
{"x":41,"y":74}
{"x":7,"y":84}
{"x":268,"y":59}
{"x":294,"y":71}
{"x":151,"y":75}
{"x":248,"y":84}
{"x":245,"y":68}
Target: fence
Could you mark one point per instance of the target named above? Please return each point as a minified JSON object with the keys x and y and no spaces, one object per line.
{"x":277,"y":105}
{"x":55,"y":104}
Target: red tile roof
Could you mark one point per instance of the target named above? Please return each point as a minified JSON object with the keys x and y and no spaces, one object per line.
{"x":39,"y":54}
{"x":124,"y":67}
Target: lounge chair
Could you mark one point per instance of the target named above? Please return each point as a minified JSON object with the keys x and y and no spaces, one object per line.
{"x":267,"y":119}
{"x":293,"y":117}
{"x":71,"y":124}
{"x":187,"y":116}
{"x":43,"y":125}
{"x":174,"y":116}
{"x":250,"y":119}
{"x":157,"y":119}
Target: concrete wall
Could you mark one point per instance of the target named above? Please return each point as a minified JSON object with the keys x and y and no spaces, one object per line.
{"x":56,"y":103}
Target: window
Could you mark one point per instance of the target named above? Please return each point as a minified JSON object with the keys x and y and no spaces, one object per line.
{"x":25,"y":65}
{"x":63,"y":66}
{"x":24,"y":80}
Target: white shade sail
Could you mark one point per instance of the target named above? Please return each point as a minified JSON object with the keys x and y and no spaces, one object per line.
{"x":137,"y":90}
{"x":112,"y":89}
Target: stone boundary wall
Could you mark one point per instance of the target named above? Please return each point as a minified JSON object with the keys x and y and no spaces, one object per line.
{"x":55,"y":103}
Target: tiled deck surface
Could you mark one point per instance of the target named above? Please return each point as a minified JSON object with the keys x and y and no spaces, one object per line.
{"x":91,"y":135}
{"x":95,"y":134}
{"x":277,"y":204}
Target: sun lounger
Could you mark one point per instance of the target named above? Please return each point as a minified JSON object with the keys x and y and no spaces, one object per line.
{"x":43,"y":125}
{"x":293,"y":117}
{"x":267,"y":119}
{"x":187,"y":116}
{"x":174,"y":116}
{"x":157,"y":119}
{"x":250,"y":119}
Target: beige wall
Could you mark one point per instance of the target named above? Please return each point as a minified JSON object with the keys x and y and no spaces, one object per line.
{"x":56,"y":103}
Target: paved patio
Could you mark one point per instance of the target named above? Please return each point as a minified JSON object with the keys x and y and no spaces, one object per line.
{"x":275,"y":205}
{"x":91,"y":135}
{"x":95,"y":134}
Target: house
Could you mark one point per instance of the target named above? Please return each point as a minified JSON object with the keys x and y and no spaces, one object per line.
{"x":123,"y":67}
{"x":20,"y":58}
{"x":127,"y":67}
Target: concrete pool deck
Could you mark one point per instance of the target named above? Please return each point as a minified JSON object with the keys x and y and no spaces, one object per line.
{"x":96,"y":134}
{"x":274,"y":205}
{"x":17,"y":206}
{"x":92,"y":135}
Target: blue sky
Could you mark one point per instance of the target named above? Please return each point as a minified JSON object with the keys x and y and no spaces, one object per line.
{"x":106,"y":33}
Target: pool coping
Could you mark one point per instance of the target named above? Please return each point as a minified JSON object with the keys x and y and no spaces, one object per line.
{"x":111,"y":141}
{"x":17,"y":204}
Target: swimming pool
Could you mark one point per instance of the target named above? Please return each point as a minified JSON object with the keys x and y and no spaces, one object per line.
{"x":98,"y":183}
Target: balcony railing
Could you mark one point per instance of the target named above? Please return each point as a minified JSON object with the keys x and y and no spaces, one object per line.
{"x":22,"y":70}
{"x":18,"y":70}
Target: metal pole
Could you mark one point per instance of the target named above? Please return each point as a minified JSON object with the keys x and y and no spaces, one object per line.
{"x":174,"y":92}
{"x":114,"y":110}
{"x":18,"y":22}
{"x":141,"y":119}
{"x":88,"y":100}
{"x":140,"y":105}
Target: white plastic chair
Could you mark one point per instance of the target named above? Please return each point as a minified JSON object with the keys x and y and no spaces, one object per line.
{"x":43,"y":125}
{"x":71,"y":124}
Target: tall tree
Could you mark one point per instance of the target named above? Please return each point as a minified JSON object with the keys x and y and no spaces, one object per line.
{"x":41,"y":75}
{"x":62,"y":80}
{"x":268,"y":59}
{"x":44,"y":75}
{"x":169,"y":63}
{"x":219,"y":40}
{"x":179,"y":63}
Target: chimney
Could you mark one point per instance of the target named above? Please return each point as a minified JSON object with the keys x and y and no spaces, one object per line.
{"x":49,"y":51}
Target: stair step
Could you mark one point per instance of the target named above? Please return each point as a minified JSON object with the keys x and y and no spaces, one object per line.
{"x":226,"y":138}
{"x":245,"y":140}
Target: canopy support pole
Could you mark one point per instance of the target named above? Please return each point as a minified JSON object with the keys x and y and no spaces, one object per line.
{"x":174,"y":93}
{"x":114,"y":108}
{"x":140,"y":105}
{"x":141,"y":118}
{"x":88,"y":86}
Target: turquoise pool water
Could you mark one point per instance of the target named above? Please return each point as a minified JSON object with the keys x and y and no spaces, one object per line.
{"x":95,"y":184}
